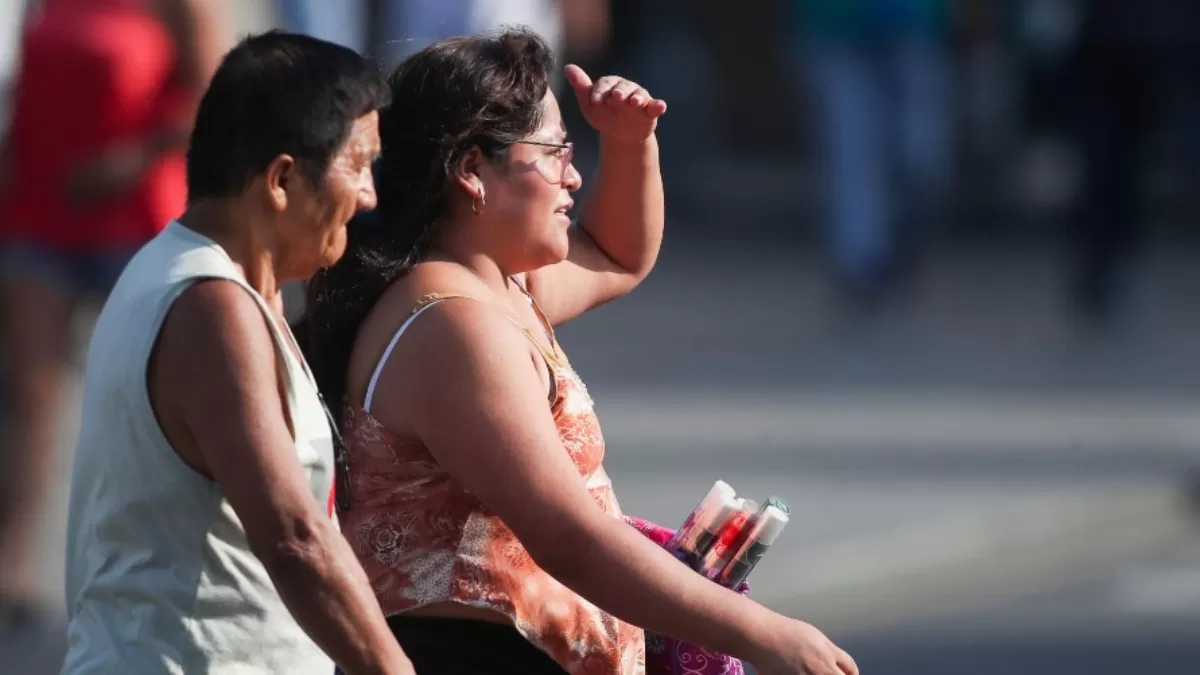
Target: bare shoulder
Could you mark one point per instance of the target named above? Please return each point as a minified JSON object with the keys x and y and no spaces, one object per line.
{"x":215,"y":339}
{"x":465,"y":331}
{"x":390,"y":312}
{"x":215,"y":309}
{"x":460,"y":349}
{"x":213,"y":371}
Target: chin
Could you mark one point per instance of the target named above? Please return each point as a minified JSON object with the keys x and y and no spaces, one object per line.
{"x":334,"y":251}
{"x":562,"y":244}
{"x":556,"y":252}
{"x":333,"y":255}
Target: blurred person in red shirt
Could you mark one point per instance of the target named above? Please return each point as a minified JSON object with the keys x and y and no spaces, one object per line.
{"x":92,"y":168}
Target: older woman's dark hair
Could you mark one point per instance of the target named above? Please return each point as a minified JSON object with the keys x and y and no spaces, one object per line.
{"x":458,"y":94}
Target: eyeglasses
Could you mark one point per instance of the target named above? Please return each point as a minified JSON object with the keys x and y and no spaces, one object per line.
{"x":553,"y":166}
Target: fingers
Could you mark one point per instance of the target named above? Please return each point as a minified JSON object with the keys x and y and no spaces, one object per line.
{"x":656,"y":107}
{"x":579,"y":80}
{"x":624,"y":90}
{"x":638,"y":97}
{"x":614,"y":91}
{"x":846,"y":663}
{"x":603,"y":89}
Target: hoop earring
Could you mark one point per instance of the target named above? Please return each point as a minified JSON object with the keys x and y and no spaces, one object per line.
{"x":477,"y":210}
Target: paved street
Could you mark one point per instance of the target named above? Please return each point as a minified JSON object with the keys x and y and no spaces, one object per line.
{"x":1140,"y":618}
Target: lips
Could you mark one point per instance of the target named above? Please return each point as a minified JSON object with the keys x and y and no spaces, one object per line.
{"x":565,"y":208}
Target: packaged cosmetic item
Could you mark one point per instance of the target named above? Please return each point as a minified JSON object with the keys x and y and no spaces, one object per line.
{"x":730,"y":535}
{"x":669,"y":656}
{"x":710,"y":529}
{"x":762,"y":531}
{"x":778,"y":503}
{"x":686,"y":542}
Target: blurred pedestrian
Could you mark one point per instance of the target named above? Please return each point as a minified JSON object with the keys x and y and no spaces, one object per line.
{"x":880,"y":80}
{"x":91,"y":168}
{"x":1129,"y":56}
{"x":202,"y":533}
{"x":479,"y":503}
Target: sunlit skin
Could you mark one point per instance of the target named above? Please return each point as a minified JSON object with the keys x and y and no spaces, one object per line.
{"x":285,"y":226}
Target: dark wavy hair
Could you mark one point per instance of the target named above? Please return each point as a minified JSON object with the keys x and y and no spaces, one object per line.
{"x":457,"y":94}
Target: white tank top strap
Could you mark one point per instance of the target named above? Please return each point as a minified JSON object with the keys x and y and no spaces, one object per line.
{"x":551,"y":356}
{"x":421,"y":306}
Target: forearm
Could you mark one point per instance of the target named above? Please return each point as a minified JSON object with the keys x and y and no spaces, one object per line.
{"x":632,"y":578}
{"x":625,"y":213}
{"x":196,"y":27}
{"x":328,"y":594}
{"x":132,"y":156}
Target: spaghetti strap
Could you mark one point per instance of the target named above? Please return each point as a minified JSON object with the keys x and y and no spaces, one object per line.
{"x":424,"y":303}
{"x":551,"y":356}
{"x":559,"y":356}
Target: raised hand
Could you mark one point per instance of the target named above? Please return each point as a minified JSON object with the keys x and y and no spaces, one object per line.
{"x":616,"y":108}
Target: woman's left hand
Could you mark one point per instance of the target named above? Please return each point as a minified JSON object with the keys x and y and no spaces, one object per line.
{"x":617,"y":108}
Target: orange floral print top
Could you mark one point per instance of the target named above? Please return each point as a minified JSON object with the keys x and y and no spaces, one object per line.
{"x":423,"y":539}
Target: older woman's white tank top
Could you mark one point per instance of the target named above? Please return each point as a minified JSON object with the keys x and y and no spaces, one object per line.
{"x":160,"y":578}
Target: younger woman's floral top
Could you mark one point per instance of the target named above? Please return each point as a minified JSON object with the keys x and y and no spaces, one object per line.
{"x":423,"y":539}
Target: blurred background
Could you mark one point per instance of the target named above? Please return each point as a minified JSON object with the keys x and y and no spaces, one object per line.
{"x":929,"y":276}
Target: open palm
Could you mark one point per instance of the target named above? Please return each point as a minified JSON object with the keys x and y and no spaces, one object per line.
{"x":616,"y":107}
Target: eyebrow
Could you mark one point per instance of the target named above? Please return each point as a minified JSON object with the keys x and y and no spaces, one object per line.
{"x":551,"y":139}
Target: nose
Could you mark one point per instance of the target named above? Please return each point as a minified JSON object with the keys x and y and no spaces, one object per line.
{"x":572,"y":179}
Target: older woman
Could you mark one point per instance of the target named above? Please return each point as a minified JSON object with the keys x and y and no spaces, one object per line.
{"x":202,"y":534}
{"x":479,"y":504}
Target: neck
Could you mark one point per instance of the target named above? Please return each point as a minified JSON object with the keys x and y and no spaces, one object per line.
{"x":458,"y":250}
{"x":244,"y":240}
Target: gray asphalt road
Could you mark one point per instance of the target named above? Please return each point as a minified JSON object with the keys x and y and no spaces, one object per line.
{"x":986,"y":655}
{"x":1141,"y":618}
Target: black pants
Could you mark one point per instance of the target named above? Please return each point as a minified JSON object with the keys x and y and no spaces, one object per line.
{"x":438,"y":646}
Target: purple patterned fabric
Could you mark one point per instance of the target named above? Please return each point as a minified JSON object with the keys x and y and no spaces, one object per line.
{"x":668,"y":656}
